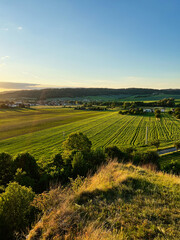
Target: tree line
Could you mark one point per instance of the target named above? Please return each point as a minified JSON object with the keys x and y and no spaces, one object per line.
{"x":84,"y":92}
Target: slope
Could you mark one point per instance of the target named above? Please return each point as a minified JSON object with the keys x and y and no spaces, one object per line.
{"x":118,"y":202}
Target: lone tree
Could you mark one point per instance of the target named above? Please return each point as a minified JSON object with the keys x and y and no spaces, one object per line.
{"x":177,"y":145}
{"x":155,"y":143}
{"x":77,"y":142}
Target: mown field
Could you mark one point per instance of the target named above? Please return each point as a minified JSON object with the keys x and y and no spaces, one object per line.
{"x":21,"y":121}
{"x":42,"y":131}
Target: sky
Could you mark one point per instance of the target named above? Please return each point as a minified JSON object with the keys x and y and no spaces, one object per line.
{"x":95,"y":43}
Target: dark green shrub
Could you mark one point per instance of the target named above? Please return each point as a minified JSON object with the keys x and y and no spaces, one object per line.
{"x":79,"y":165}
{"x":156,"y":143}
{"x":23,"y":179}
{"x":149,"y":157}
{"x":173,"y":167}
{"x":26,"y":171}
{"x":114,"y":152}
{"x":6,"y":168}
{"x":27,"y":163}
{"x":95,"y":158}
{"x":16,"y":212}
{"x":177,"y":145}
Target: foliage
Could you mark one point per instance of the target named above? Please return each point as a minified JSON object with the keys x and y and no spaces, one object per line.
{"x":84,"y":92}
{"x":177,"y":112}
{"x":172,"y":167}
{"x":23,"y":179}
{"x":15,"y":210}
{"x":77,"y":142}
{"x":114,"y":152}
{"x":79,"y":165}
{"x":132,"y":111}
{"x":157,"y":113}
{"x":156,"y":143}
{"x":77,"y":183}
{"x":145,"y":158}
{"x":27,"y":163}
{"x":6,"y":168}
{"x":177,"y":145}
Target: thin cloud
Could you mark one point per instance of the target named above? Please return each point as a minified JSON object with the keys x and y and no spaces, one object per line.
{"x":12,"y":86}
{"x":4,"y":29}
{"x":19,"y":28}
{"x":17,"y":86}
{"x":4,"y":58}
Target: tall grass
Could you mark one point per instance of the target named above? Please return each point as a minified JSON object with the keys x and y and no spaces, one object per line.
{"x":120,"y":201}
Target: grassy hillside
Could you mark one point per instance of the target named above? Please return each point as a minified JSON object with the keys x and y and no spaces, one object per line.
{"x":42,"y":133}
{"x":118,"y":202}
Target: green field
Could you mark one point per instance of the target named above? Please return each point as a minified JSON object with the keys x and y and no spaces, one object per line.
{"x":167,"y":158}
{"x":21,"y":121}
{"x":42,"y":131}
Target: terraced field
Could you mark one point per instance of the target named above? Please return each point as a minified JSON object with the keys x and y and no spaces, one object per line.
{"x":103,"y":128}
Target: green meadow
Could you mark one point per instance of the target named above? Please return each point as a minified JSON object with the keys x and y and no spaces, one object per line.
{"x":41,"y":131}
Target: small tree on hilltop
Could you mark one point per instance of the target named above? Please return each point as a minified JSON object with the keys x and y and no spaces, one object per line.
{"x":77,"y":142}
{"x":177,"y":145}
{"x":155,"y":143}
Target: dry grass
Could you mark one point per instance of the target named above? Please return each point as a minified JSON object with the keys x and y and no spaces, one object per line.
{"x":119,"y":202}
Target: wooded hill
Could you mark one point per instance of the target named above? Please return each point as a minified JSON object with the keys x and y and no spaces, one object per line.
{"x":84,"y":92}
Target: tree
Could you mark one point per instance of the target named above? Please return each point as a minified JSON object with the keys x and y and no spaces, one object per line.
{"x":6,"y":173}
{"x":55,"y":167}
{"x":113,"y":152}
{"x":155,"y":143}
{"x":79,"y":165}
{"x":77,"y":142}
{"x":177,"y":145}
{"x":28,"y":164}
{"x":15,"y":209}
{"x":157,"y":113}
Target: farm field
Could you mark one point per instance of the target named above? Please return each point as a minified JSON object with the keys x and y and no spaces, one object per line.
{"x":42,"y":134}
{"x":21,"y":121}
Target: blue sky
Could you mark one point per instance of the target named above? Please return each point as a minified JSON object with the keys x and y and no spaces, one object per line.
{"x":95,"y":43}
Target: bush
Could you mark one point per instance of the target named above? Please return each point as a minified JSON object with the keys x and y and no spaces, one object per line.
{"x":27,"y":163}
{"x":173,"y":167}
{"x":79,"y":166}
{"x":6,"y":170}
{"x":149,"y":157}
{"x":16,"y":212}
{"x":114,"y":152}
{"x":177,"y":145}
{"x":156,"y":143}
